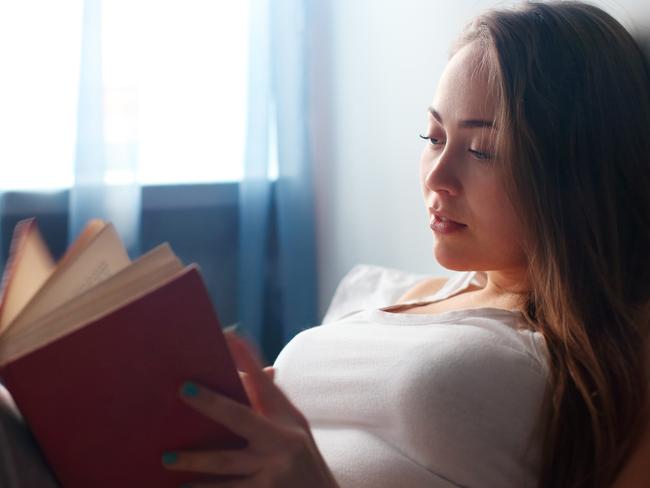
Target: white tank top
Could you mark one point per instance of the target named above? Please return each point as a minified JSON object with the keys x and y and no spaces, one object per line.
{"x":412,"y":400}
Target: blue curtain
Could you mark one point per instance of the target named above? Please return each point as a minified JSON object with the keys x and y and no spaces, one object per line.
{"x":277,"y":269}
{"x":105,"y":184}
{"x":277,"y":272}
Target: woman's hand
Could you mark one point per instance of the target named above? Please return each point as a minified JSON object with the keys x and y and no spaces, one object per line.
{"x":280,"y":452}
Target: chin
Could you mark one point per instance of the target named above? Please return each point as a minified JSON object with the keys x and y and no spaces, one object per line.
{"x":452,"y":260}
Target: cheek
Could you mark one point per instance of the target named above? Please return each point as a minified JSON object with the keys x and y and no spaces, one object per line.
{"x":500,"y":228}
{"x":425,"y":167}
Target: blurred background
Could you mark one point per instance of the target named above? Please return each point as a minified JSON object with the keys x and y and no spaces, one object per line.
{"x":273,"y":142}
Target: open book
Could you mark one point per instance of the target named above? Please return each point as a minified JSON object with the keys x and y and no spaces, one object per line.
{"x":94,"y":349}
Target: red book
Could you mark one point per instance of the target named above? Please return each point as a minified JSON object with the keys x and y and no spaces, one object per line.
{"x":95,"y":357}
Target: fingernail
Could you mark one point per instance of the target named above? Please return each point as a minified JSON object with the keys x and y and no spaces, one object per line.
{"x":231,"y":328}
{"x":189,"y":389}
{"x":169,"y":458}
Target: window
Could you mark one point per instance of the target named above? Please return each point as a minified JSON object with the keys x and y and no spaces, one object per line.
{"x":174,"y":90}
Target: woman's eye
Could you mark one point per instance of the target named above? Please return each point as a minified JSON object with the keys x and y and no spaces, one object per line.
{"x":480,"y":154}
{"x":432,"y":140}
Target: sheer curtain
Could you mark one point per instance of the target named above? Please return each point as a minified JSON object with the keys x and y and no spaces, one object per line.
{"x":276,"y":218}
{"x":105,"y":171}
{"x":162,"y":99}
{"x":180,"y":92}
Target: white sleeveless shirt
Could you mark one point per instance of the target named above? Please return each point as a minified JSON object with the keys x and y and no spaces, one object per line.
{"x":412,"y":400}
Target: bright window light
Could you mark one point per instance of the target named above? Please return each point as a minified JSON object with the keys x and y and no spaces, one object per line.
{"x":39,"y":55}
{"x":174,"y":85}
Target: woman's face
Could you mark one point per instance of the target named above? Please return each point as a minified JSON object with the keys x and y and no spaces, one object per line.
{"x":472,"y":219}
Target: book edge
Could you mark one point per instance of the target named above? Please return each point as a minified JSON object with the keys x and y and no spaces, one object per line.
{"x":22,"y":231}
{"x":9,"y":354}
{"x":57,"y":272}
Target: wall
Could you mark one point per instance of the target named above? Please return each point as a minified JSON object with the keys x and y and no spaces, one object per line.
{"x":374,"y":69}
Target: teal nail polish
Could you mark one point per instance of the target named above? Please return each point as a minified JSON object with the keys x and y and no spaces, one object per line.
{"x":189,"y":389}
{"x":169,"y":458}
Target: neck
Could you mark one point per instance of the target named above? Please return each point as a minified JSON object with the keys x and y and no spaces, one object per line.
{"x":506,"y":286}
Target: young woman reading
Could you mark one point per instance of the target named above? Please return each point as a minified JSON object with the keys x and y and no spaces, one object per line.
{"x":528,"y":367}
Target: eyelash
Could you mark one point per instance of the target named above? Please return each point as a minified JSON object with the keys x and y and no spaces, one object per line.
{"x":430,"y":139}
{"x":482,"y":156}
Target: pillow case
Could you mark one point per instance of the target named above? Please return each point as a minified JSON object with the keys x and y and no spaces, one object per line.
{"x":369,"y":286}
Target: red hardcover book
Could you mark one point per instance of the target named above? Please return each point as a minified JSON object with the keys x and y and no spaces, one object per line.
{"x":96,"y":377}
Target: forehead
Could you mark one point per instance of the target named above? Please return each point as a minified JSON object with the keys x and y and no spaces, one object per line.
{"x":463,"y":91}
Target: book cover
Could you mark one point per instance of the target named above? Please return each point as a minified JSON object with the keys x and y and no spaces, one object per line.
{"x":102,"y":400}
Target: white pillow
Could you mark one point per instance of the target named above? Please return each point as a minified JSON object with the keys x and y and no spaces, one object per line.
{"x":368,"y":286}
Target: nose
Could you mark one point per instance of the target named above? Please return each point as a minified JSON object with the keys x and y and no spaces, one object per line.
{"x":440,"y":172}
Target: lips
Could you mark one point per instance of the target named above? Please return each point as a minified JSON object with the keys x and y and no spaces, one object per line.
{"x":442,"y":223}
{"x":443,"y":216}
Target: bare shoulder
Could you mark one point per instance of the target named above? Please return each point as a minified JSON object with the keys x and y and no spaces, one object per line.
{"x":423,"y":288}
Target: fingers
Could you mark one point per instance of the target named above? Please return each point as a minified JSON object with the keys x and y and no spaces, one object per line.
{"x":257,"y":382}
{"x":236,"y":344}
{"x":247,"y":362}
{"x":233,"y":340}
{"x":238,"y":418}
{"x":259,"y":385}
{"x":224,"y":462}
{"x":252,"y":394}
{"x":270,"y":372}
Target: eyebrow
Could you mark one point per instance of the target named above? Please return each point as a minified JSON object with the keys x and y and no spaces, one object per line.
{"x":464,"y":124}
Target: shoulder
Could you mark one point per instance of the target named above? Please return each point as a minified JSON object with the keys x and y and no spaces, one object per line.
{"x":423,"y":288}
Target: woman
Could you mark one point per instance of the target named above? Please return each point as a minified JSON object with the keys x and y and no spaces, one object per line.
{"x":528,"y":367}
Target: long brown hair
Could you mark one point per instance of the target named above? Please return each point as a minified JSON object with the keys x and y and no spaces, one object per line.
{"x":574,"y":147}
